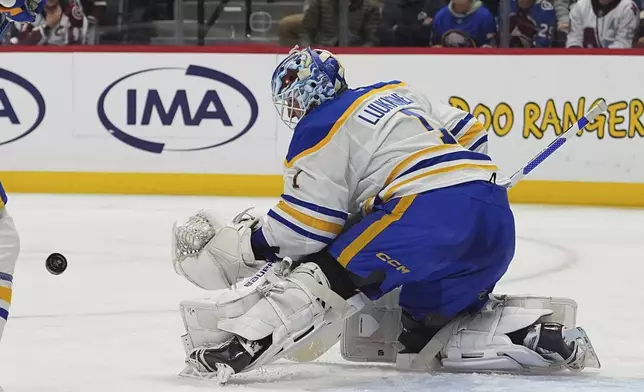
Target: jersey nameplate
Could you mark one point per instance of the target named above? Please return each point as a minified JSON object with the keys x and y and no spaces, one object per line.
{"x":378,"y":107}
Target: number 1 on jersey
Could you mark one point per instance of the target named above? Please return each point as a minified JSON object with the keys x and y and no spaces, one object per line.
{"x":445,"y":137}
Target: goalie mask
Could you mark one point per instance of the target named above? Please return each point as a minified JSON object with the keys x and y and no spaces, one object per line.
{"x":303,"y":81}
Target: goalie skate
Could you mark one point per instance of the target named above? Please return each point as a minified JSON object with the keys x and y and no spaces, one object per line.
{"x":220,"y":362}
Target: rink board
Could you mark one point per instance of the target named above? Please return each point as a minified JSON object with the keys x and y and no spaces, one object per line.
{"x":154,"y":121}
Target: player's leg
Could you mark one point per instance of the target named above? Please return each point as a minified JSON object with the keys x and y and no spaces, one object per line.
{"x":488,"y":253}
{"x":9,"y":249}
{"x":487,"y":248}
{"x":427,"y":240}
{"x":466,"y":249}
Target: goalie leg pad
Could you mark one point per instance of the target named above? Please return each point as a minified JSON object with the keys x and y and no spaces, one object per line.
{"x":487,"y":341}
{"x":372,"y":333}
{"x":481,"y":342}
{"x":269,"y":317}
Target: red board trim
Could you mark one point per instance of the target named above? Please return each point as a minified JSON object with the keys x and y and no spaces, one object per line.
{"x":245,"y":49}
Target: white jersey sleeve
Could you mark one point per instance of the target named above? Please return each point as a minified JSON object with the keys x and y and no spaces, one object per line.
{"x":313,"y":208}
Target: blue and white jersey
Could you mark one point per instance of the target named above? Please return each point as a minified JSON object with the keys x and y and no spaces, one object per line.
{"x":472,"y":30}
{"x":368,"y":145}
{"x":533,"y":27}
{"x":3,"y":197}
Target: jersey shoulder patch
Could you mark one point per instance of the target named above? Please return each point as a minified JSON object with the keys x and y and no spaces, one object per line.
{"x":317,"y":128}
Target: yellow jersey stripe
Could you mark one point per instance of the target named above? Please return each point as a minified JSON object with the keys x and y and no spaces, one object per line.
{"x":5,"y":294}
{"x":367,"y":206}
{"x":468,"y":136}
{"x":402,"y":165}
{"x":374,"y":229}
{"x":319,"y":224}
{"x":437,"y":171}
{"x":340,"y":122}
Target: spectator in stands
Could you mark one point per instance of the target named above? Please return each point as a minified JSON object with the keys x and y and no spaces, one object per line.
{"x":532,"y":23}
{"x":290,"y":28}
{"x":640,"y":35}
{"x":464,"y":24}
{"x":562,"y":8}
{"x":61,"y":23}
{"x":603,"y":24}
{"x":320,"y":23}
{"x":95,"y":11}
{"x":408,"y":22}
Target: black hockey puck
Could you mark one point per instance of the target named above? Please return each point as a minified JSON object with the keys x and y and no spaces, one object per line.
{"x":56,"y":264}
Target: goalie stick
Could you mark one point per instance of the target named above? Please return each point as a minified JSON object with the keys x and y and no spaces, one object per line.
{"x":598,"y":109}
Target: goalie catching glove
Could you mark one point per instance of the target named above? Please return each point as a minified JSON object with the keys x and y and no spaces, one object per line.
{"x":214,"y":255}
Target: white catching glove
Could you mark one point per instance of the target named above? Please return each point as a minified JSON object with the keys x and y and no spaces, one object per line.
{"x":213,"y":255}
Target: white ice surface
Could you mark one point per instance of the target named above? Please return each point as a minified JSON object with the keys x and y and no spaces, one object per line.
{"x":110,"y":322}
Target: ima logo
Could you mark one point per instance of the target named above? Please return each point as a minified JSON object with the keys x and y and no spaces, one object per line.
{"x":22,"y":107}
{"x":177,"y":109}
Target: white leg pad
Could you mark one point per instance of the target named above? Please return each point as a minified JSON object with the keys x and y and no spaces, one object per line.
{"x":481,"y":343}
{"x":292,"y":310}
{"x":202,"y":317}
{"x":477,"y":343}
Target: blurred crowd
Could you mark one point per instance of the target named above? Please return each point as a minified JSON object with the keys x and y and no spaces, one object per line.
{"x":393,"y":23}
{"x":62,"y":22}
{"x":470,"y":23}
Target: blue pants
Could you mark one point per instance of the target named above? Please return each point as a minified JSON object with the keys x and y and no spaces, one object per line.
{"x":447,"y":248}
